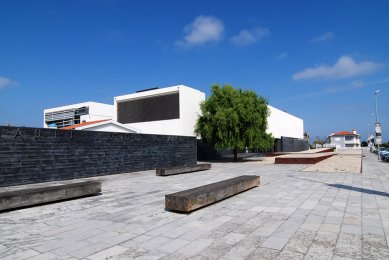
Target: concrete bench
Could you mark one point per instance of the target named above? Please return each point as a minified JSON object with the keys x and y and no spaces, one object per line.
{"x":183,"y":169}
{"x":33,"y":194}
{"x":189,"y":200}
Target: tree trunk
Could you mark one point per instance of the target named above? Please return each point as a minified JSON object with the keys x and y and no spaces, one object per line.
{"x":235,"y":154}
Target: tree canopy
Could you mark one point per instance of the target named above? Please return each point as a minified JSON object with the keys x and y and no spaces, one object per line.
{"x":234,"y":118}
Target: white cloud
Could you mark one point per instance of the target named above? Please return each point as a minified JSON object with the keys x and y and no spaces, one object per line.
{"x":202,"y":30}
{"x":281,"y":56}
{"x":324,"y":37}
{"x":345,"y":67}
{"x":4,"y":82}
{"x":247,"y":37}
{"x":358,"y":84}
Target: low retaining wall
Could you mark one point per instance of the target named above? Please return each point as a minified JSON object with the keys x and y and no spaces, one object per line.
{"x":288,"y":144}
{"x":33,"y":155}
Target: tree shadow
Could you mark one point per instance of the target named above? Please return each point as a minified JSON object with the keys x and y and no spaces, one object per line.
{"x":368,"y":191}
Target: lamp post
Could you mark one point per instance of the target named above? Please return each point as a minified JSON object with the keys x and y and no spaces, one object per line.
{"x":372,"y":126}
{"x":376,"y":123}
{"x":376,"y":102}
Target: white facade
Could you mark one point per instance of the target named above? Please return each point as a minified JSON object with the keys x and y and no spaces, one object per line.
{"x":59,"y":117}
{"x":281,"y":123}
{"x":183,"y":124}
{"x":136,"y":113}
{"x":344,"y":140}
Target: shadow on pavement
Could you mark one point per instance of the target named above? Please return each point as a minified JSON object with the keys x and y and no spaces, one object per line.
{"x":368,"y":191}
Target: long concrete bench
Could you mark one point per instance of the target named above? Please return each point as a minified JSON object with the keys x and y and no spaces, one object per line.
{"x":183,"y":169}
{"x":189,"y":200}
{"x":303,"y":158}
{"x":28,"y":195}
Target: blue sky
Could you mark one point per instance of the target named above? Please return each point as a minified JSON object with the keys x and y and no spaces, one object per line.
{"x":319,"y":60}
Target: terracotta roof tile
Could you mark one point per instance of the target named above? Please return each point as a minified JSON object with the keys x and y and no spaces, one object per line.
{"x":72,"y":127}
{"x":343,"y":133}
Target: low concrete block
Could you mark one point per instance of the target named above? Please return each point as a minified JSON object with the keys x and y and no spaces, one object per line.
{"x":189,"y":200}
{"x":183,"y":169}
{"x":31,"y":195}
{"x":298,"y":159}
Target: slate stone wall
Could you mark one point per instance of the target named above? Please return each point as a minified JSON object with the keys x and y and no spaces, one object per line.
{"x":33,"y":155}
{"x":293,"y":145}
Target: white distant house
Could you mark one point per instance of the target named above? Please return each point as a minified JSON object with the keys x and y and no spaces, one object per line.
{"x":344,"y":139}
{"x":166,"y":111}
{"x":63,"y":116}
{"x":103,"y":126}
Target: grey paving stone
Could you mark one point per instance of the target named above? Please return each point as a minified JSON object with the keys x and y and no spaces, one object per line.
{"x":152,"y":255}
{"x":88,"y":250}
{"x":275,"y":242}
{"x":287,"y":255}
{"x":49,"y":256}
{"x":374,"y":247}
{"x":312,"y":218}
{"x":263,"y":253}
{"x":132,"y":252}
{"x":216,"y":250}
{"x":333,"y":220}
{"x":194,"y":248}
{"x":351,"y":229}
{"x":240,"y":251}
{"x":310,"y":226}
{"x":319,"y":251}
{"x":74,"y":246}
{"x":300,"y":241}
{"x":53,"y":244}
{"x":349,"y":245}
{"x":330,"y":228}
{"x":352,"y":219}
{"x":291,"y":212}
{"x":337,"y":257}
{"x":25,"y":254}
{"x":173,"y":245}
{"x":155,"y":243}
{"x":108,"y":253}
{"x":194,"y":234}
{"x":232,"y":238}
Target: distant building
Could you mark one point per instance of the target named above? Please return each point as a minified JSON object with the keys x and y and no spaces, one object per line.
{"x":344,"y":139}
{"x":69,"y":115}
{"x":103,"y":126}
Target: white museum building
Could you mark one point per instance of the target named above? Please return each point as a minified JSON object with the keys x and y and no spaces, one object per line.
{"x":165,"y":111}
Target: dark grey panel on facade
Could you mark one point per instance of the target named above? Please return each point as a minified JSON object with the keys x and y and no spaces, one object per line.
{"x":289,"y":144}
{"x":34,"y":155}
{"x":161,"y":107}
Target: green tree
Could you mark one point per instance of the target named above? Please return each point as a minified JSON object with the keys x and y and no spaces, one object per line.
{"x":320,"y":140}
{"x":234,"y":118}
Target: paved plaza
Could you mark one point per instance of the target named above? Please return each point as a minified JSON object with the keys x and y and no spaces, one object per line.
{"x":291,"y":215}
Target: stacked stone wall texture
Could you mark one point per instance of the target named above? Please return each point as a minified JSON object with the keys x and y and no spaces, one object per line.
{"x":34,"y":155}
{"x":293,"y":145}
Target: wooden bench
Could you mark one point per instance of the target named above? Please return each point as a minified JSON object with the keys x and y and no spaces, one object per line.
{"x":183,"y":169}
{"x":189,"y":200}
{"x":33,"y":194}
